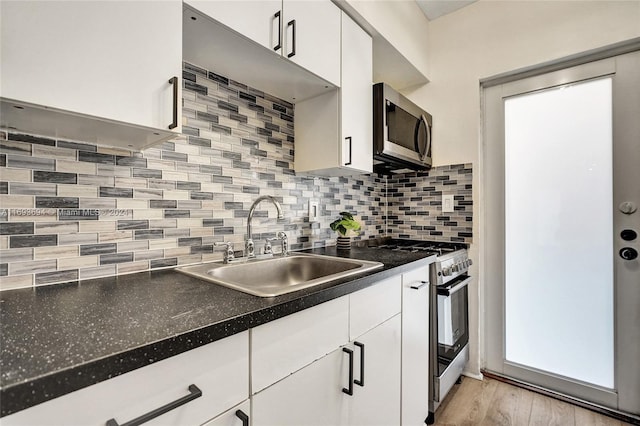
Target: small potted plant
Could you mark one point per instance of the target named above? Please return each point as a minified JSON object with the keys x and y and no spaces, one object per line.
{"x":345,"y":226}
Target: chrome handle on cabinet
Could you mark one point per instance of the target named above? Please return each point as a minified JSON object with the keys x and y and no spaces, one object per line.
{"x":174,"y":81}
{"x":348,"y":139}
{"x":292,"y":24}
{"x":279,"y":16}
{"x":421,"y":285}
{"x":242,"y":416}
{"x":194,"y":392}
{"x":361,"y":381}
{"x":348,"y":391}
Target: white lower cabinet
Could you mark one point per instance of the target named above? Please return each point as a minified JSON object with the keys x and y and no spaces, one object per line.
{"x":342,"y":362}
{"x":286,"y":345}
{"x":374,"y":305}
{"x":312,"y":396}
{"x":237,"y":416}
{"x":318,"y":394}
{"x":415,"y":346}
{"x":377,"y":401}
{"x":219,"y":370}
{"x":334,"y":388}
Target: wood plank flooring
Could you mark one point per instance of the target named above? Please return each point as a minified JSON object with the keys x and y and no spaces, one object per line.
{"x":490,"y":402}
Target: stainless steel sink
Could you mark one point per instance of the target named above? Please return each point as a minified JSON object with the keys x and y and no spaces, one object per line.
{"x":279,"y":275}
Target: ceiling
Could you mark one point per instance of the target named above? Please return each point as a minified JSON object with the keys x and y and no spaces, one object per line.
{"x":436,"y":8}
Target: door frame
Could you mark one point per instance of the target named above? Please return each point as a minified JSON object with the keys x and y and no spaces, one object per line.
{"x":593,"y":64}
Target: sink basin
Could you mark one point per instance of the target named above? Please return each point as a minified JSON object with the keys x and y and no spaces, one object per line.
{"x":279,"y":275}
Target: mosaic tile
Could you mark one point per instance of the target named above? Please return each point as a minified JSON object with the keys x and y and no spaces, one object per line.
{"x":24,"y":162}
{"x":18,"y":241}
{"x":169,"y":204}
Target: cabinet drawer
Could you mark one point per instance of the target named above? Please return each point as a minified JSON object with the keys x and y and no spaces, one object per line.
{"x":220,"y":370}
{"x":374,"y":305}
{"x":231,"y":417}
{"x":284,"y":346}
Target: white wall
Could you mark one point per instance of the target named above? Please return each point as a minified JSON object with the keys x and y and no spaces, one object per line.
{"x":401,"y":23}
{"x":493,"y":37}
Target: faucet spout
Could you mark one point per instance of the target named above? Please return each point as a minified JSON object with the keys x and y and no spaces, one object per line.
{"x":249,"y":245}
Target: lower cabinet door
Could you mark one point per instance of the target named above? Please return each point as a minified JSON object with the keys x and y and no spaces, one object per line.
{"x":415,"y":347}
{"x":237,"y":416}
{"x":377,"y":401}
{"x":208,"y":380}
{"x":312,"y":396}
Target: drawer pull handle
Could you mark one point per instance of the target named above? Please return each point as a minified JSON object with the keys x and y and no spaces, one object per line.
{"x":348,"y":391}
{"x":174,"y":82}
{"x":421,"y":285}
{"x":194,"y":392}
{"x":361,"y":381}
{"x":242,"y":416}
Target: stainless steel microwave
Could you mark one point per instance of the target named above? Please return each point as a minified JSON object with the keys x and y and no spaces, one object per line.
{"x":401,"y":132}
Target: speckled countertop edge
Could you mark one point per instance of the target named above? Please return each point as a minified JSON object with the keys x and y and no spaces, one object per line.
{"x":242,"y":312}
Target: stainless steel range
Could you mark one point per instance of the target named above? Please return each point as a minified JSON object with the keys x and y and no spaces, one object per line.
{"x":448,"y":312}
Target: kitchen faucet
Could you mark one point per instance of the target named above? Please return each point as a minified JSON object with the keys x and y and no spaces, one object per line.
{"x":249,"y":246}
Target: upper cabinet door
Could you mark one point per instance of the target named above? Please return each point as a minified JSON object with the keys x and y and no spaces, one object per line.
{"x":107,"y":59}
{"x":305,"y":32}
{"x":258,"y":20}
{"x":356,"y":97}
{"x":311,"y":32}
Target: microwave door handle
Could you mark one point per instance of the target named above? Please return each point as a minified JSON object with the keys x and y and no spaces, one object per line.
{"x":448,"y":291}
{"x":426,"y":124}
{"x":422,"y":121}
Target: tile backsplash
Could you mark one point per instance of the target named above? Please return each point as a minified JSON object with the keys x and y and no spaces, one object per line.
{"x":73,"y":210}
{"x":414,"y":203}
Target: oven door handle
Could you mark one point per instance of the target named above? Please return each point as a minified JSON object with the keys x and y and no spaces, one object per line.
{"x":449,"y":290}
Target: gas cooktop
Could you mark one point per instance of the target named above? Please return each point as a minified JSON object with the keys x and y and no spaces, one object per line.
{"x":437,"y":247}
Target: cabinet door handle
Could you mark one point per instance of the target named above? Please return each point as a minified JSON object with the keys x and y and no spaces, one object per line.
{"x":361,"y":381}
{"x":174,"y":81}
{"x":278,"y":15}
{"x":348,"y":391}
{"x":242,"y":416}
{"x":421,"y":285}
{"x":348,"y":139}
{"x":194,"y":392}
{"x":292,"y":24}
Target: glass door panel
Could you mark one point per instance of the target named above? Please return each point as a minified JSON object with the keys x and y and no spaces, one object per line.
{"x":558,"y":231}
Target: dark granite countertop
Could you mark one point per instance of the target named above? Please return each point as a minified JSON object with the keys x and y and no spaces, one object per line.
{"x":61,"y":338}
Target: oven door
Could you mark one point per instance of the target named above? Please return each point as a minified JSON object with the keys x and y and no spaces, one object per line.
{"x":453,"y":320}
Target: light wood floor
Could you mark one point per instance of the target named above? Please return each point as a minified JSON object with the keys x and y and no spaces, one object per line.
{"x":492,"y":403}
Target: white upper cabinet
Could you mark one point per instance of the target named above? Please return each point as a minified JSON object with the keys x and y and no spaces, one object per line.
{"x":305,"y":32}
{"x":259,"y":20}
{"x":311,"y":37}
{"x":99,"y":60}
{"x":334,"y":135}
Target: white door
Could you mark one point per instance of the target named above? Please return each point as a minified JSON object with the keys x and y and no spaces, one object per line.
{"x":311,"y":396}
{"x":258,"y":20}
{"x":562,"y":278}
{"x":356,"y":97}
{"x":376,"y":395}
{"x":311,"y":37}
{"x":108,"y":59}
{"x":415,"y":346}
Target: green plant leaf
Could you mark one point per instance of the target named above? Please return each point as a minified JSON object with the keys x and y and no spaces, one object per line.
{"x":345,"y":223}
